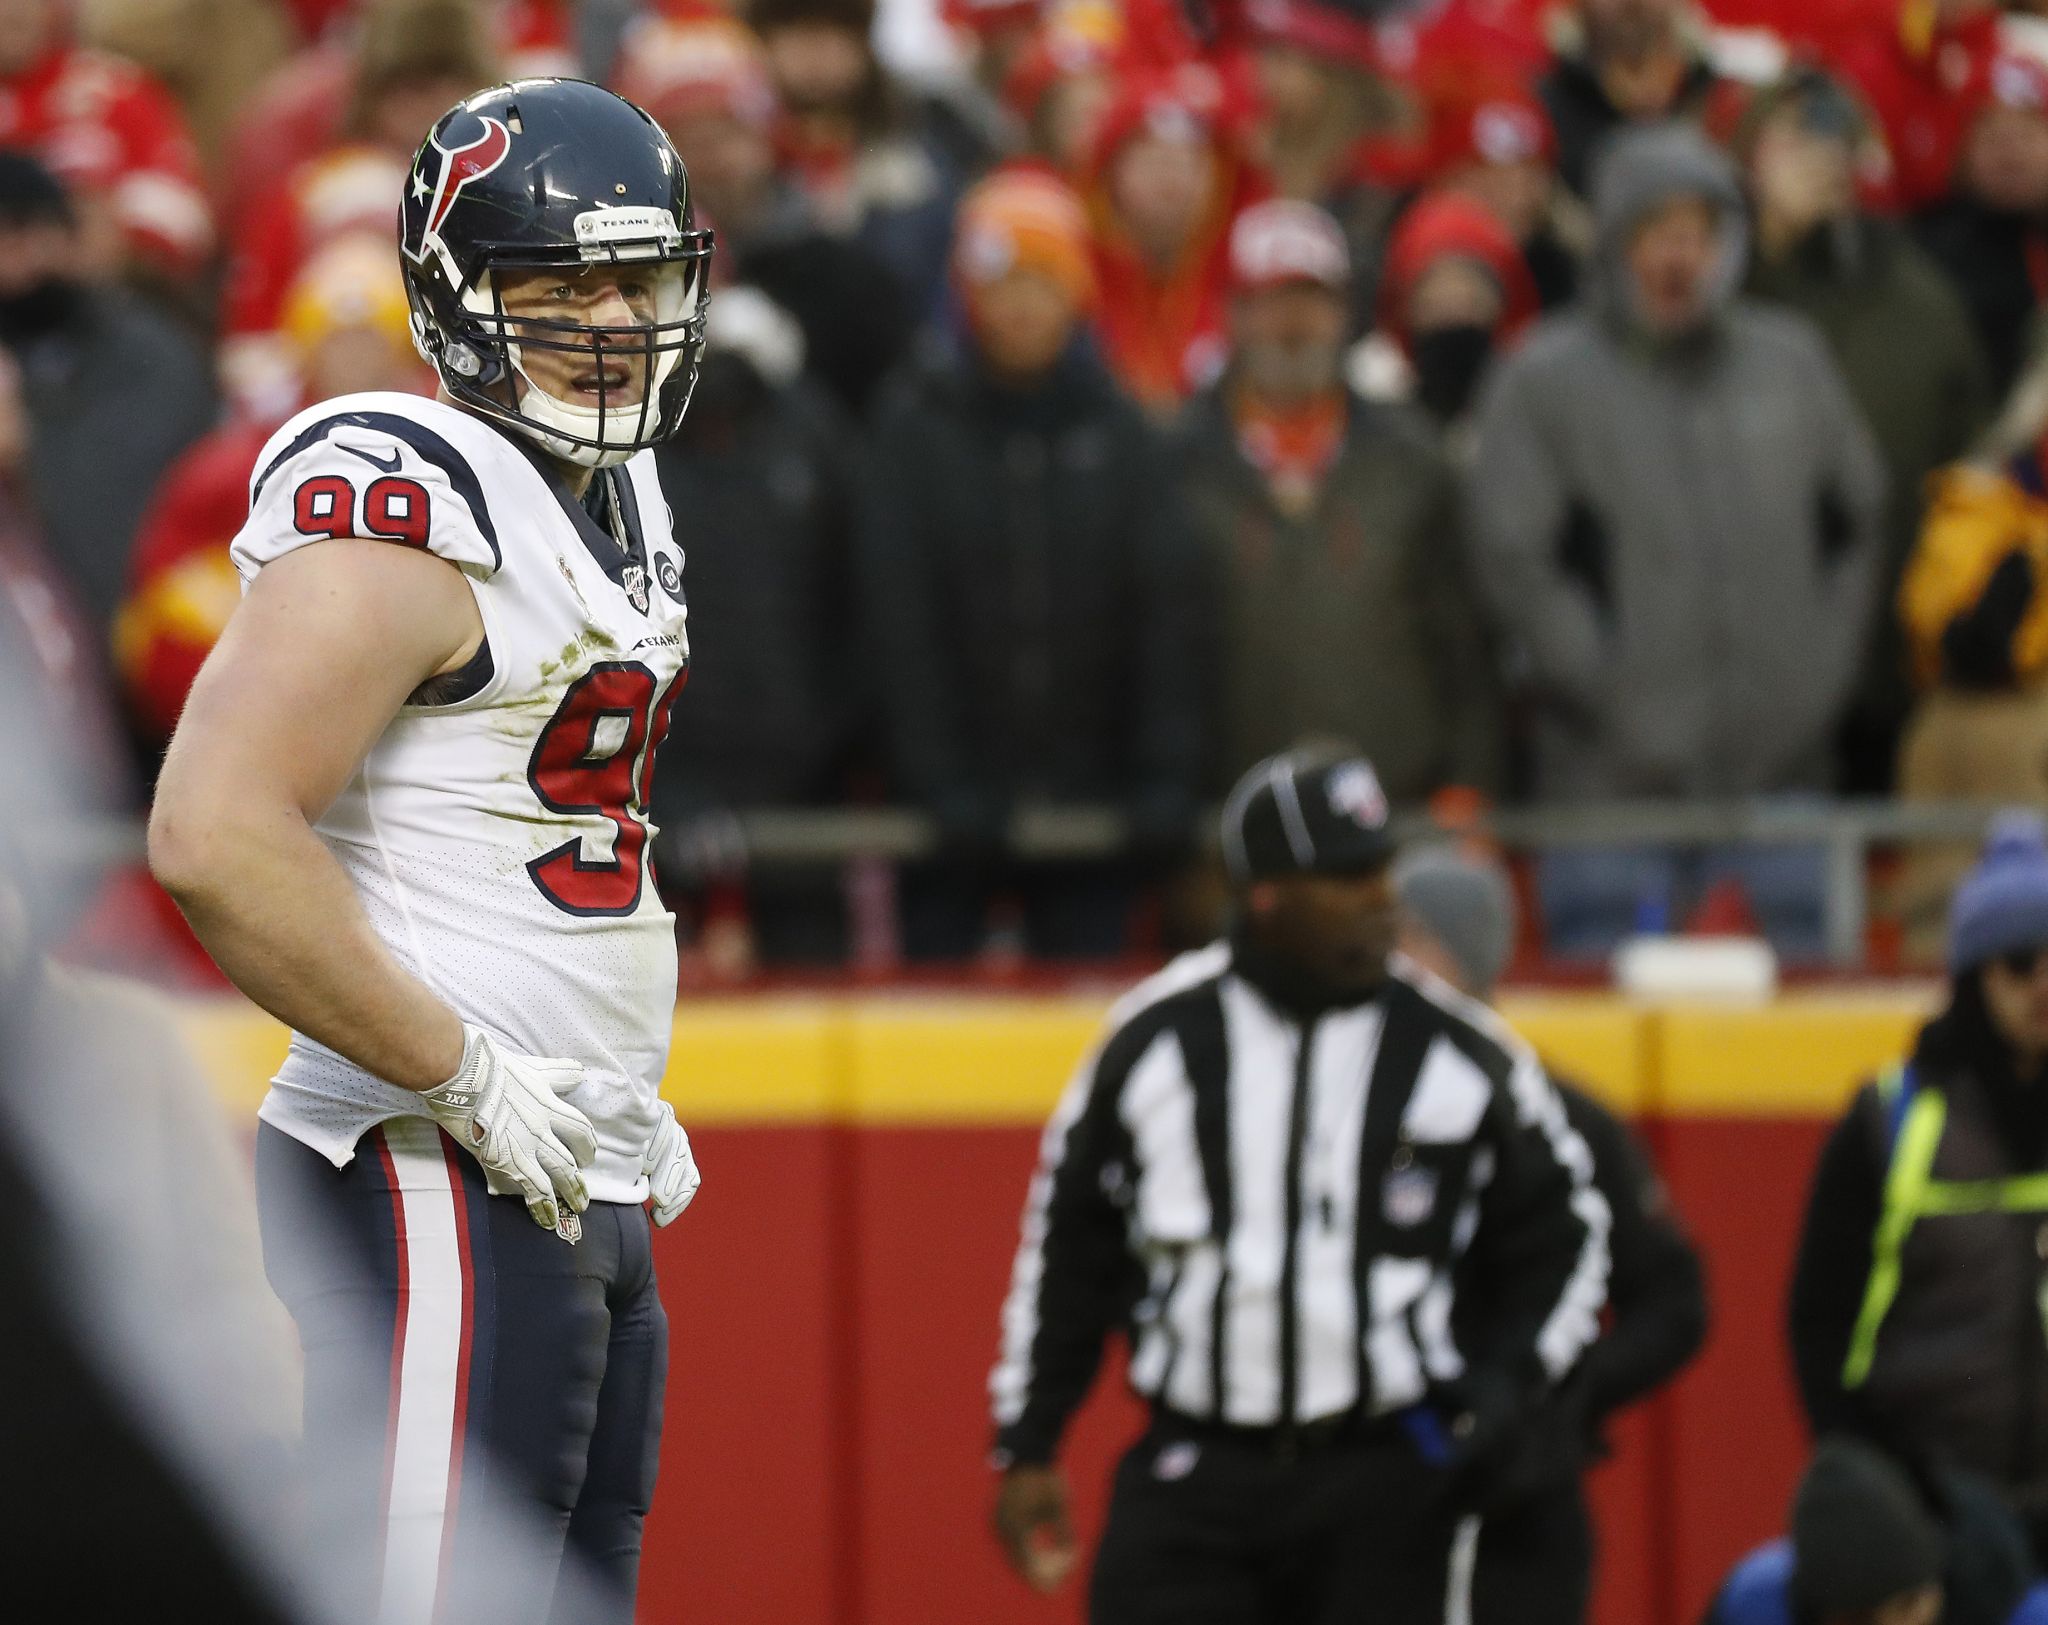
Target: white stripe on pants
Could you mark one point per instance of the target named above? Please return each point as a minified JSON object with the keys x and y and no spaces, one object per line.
{"x":428,"y":1377}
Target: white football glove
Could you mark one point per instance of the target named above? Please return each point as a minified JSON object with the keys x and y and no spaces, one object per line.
{"x":506,"y":1110}
{"x":672,"y":1177}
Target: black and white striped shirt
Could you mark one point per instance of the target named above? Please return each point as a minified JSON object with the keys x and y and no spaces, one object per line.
{"x":1275,"y":1209}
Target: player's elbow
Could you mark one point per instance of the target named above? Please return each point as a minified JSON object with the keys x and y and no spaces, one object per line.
{"x":190,"y":847}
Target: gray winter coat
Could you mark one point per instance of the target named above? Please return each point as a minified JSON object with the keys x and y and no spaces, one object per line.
{"x":1680,"y":539}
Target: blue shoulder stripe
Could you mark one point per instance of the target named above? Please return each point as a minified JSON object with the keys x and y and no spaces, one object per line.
{"x":429,"y":446}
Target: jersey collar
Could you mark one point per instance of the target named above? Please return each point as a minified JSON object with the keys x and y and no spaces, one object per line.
{"x":611,"y":558}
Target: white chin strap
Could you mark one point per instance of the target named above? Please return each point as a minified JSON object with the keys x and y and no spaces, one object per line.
{"x":588,"y":436}
{"x":584,"y":423}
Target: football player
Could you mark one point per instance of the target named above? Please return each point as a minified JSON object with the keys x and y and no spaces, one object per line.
{"x":406,"y":811}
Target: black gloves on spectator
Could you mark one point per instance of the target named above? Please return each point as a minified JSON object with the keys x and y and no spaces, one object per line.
{"x":1976,"y":649}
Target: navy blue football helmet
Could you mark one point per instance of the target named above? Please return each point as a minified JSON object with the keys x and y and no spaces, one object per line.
{"x":555,"y":173}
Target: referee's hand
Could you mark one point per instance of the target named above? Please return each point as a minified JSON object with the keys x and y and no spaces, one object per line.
{"x":1031,"y":1522}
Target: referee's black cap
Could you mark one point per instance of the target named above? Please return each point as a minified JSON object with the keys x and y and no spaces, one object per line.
{"x":1306,"y":813}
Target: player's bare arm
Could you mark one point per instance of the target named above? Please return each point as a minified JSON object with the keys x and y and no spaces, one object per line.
{"x":314,"y":665}
{"x":325,"y":649}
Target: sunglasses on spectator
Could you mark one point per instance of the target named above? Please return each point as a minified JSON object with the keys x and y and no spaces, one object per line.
{"x":2024,"y":961}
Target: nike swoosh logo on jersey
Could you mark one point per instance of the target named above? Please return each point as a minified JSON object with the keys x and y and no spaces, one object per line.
{"x":372,"y":459}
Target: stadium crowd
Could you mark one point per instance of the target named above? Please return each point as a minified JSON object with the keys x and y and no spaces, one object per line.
{"x":1560,"y":402}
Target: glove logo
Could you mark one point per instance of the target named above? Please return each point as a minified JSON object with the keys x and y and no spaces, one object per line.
{"x":1409,"y":1196}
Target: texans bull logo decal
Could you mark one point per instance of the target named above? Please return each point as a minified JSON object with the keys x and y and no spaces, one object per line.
{"x":459,"y":166}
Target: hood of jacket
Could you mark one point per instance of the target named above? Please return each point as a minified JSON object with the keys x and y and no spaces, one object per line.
{"x":1639,"y":172}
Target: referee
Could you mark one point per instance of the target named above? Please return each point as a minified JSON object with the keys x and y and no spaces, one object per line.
{"x":1268,"y":1174}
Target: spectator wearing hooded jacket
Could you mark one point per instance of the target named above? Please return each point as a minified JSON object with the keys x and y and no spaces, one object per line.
{"x":1677,"y":517}
{"x":1895,"y":327}
{"x":1031,"y":598}
{"x":1166,"y":177}
{"x":1990,"y":232}
{"x":1067,"y":74}
{"x":1329,"y":526}
{"x":1454,"y":295}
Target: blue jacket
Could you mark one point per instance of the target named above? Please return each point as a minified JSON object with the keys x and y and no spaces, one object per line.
{"x":1759,"y":1592}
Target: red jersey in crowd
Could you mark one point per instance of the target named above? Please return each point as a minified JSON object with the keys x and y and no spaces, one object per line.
{"x":182,"y":585}
{"x":1161,"y":329}
{"x":348,"y":189}
{"x":113,"y":133}
{"x":1917,"y":72}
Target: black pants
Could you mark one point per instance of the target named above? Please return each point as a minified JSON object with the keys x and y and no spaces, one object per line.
{"x":1535,"y":1561}
{"x":483,"y":1400}
{"x":1222,"y":1527}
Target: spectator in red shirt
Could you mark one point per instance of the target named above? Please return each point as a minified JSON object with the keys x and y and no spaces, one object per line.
{"x":322,"y":97}
{"x":1166,"y":179}
{"x":1320,"y":100}
{"x":410,"y":67}
{"x":1064,"y":80}
{"x":115,"y":137}
{"x":1330,"y":129}
{"x":1916,"y":63}
{"x":345,"y":323}
{"x":206,"y":53}
{"x":1493,"y":143}
{"x":1990,"y":234}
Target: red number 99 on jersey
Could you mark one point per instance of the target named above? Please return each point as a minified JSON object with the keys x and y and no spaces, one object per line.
{"x":394,"y":509}
{"x":596,"y":755}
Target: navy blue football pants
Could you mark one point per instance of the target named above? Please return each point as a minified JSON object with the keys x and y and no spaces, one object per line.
{"x":483,"y":1400}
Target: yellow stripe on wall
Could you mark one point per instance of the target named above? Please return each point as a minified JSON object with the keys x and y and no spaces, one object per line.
{"x":898,"y":1060}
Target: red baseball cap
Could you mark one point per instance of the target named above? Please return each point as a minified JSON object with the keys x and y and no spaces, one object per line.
{"x":1503,"y":125}
{"x":1283,"y":240}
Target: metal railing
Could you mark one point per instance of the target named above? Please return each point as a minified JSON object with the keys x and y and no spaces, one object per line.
{"x":1846,"y":831}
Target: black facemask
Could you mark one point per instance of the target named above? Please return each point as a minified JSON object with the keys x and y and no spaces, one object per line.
{"x":1449,"y":362}
{"x":39,"y":310}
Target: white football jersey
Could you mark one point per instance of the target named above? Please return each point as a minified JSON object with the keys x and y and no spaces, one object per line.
{"x":497,"y":833}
